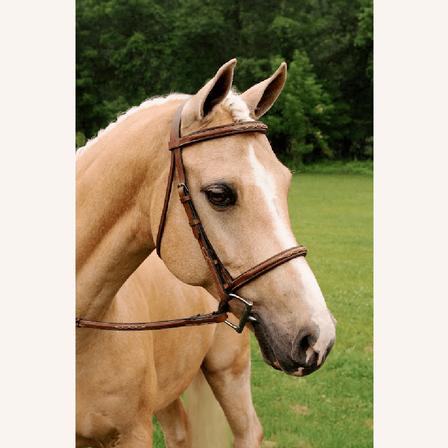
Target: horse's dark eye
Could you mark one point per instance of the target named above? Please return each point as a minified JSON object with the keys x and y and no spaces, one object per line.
{"x":220,"y":195}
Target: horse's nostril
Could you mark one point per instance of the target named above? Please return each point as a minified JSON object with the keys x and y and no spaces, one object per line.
{"x":302,"y":352}
{"x":304,"y":343}
{"x":306,"y":349}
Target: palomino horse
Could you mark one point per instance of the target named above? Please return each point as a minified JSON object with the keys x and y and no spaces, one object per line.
{"x":240,"y":191}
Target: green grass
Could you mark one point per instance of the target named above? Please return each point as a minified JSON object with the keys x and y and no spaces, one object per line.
{"x":364,"y":167}
{"x":332,"y":215}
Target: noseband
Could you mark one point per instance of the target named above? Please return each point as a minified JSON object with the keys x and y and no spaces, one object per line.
{"x":225,"y":284}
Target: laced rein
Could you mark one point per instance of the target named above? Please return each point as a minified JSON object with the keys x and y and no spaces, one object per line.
{"x":225,"y":283}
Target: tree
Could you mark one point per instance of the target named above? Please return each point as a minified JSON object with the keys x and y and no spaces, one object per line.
{"x":129,"y":50}
{"x":301,"y":115}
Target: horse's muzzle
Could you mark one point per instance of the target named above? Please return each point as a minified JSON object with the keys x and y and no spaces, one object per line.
{"x":302,"y":360}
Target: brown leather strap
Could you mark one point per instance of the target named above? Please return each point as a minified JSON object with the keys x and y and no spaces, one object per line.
{"x":177,"y":142}
{"x":218,"y":132}
{"x":174,"y":137}
{"x":200,"y":319}
{"x":165,"y":205}
{"x":267,"y":265}
{"x":220,"y":275}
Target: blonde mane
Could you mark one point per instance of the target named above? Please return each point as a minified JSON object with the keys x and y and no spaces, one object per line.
{"x":233,"y":103}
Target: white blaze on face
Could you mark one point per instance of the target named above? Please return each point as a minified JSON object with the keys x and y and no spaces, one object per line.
{"x":309,"y":291}
{"x":266,"y":185}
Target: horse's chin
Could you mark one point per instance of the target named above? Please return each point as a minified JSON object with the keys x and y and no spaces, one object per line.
{"x":271,"y":356}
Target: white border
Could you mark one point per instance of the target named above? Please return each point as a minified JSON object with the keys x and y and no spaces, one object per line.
{"x":411,"y":224}
{"x":37,"y":223}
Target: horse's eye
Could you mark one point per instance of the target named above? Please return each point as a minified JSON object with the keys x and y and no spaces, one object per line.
{"x":220,"y":195}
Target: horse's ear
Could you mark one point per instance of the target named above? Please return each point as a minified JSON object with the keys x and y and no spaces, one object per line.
{"x":211,"y":94}
{"x":262,"y":96}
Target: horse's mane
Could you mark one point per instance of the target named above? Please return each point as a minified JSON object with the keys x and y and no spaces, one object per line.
{"x":233,"y":103}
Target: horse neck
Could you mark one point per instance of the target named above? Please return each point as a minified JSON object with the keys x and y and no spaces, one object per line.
{"x":118,"y":179}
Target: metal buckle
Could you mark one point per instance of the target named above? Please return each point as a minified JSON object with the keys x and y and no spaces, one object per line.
{"x":245,"y":315}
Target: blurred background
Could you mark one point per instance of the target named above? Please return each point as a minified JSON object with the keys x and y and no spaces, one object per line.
{"x":129,"y":50}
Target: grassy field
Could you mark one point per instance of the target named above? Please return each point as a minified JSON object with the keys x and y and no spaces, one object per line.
{"x":332,"y":216}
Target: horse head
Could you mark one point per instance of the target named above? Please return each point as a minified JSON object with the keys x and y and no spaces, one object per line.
{"x":240,"y":189}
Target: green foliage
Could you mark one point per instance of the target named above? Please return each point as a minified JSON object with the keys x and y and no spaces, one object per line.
{"x":301,"y":114}
{"x":129,"y":50}
{"x":364,"y":35}
{"x":364,"y":167}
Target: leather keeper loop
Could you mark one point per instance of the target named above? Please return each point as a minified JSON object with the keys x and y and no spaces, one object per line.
{"x":185,"y":198}
{"x":194,"y":222}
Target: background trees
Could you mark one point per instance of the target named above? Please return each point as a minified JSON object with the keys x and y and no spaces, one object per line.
{"x":129,"y":50}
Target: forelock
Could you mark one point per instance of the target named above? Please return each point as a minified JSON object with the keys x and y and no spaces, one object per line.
{"x":237,"y":107}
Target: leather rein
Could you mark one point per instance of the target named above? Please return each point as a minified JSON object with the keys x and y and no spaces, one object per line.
{"x":226,"y":285}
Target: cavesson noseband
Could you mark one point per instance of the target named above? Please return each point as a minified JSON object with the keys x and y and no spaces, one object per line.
{"x":226,"y":285}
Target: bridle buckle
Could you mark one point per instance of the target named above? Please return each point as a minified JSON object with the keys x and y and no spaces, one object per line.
{"x":245,"y":316}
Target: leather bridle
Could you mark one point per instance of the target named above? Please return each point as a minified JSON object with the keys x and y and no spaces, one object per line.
{"x":225,"y":284}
